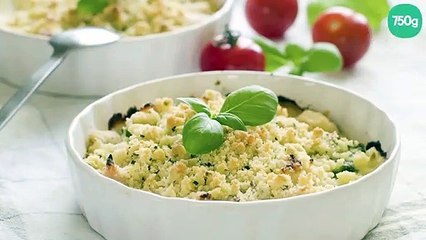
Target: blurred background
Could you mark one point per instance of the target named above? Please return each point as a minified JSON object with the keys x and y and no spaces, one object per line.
{"x":36,"y":196}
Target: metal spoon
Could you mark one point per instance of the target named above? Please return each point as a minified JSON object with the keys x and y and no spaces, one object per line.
{"x":62,"y":44}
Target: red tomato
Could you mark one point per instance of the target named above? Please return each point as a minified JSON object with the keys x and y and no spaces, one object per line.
{"x":346,"y":29}
{"x":271,"y":18}
{"x":229,"y":51}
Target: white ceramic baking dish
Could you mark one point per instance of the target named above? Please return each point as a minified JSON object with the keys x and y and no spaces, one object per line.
{"x":346,"y":212}
{"x":102,"y":70}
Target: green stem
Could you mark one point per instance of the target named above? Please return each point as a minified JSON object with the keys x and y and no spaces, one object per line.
{"x":229,"y":37}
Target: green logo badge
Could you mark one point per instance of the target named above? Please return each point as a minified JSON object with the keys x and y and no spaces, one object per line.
{"x":405,"y":21}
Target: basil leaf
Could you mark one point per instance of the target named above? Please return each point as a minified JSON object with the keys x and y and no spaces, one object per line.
{"x":374,"y":10}
{"x":322,"y":57}
{"x":91,"y":6}
{"x":201,"y":134}
{"x":197,"y":105}
{"x":294,"y":51}
{"x":230,"y":120}
{"x":274,"y":57}
{"x":254,"y":105}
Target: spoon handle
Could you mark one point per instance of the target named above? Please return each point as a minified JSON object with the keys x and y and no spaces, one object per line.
{"x":21,"y":96}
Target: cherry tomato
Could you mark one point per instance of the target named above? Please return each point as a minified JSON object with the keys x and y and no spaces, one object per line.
{"x":346,"y":29}
{"x":230,"y":51}
{"x":271,"y":18}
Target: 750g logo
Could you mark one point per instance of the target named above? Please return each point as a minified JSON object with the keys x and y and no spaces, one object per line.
{"x":405,"y":21}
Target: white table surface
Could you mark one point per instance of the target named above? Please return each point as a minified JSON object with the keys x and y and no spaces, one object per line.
{"x":36,"y":195}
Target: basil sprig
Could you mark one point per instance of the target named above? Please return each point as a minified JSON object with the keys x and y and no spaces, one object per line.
{"x":321,"y":57}
{"x":91,"y":7}
{"x":248,"y":106}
